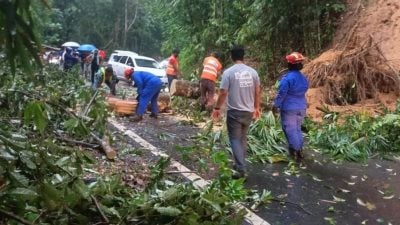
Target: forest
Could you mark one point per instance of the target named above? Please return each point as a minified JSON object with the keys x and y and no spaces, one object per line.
{"x":53,"y":127}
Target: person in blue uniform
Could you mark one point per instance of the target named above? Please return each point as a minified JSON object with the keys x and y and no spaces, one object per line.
{"x":292,"y":104}
{"x":148,"y":88}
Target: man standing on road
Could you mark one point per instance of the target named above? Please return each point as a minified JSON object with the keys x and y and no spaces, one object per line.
{"x":241,"y":85}
{"x":172,"y":70}
{"x":95,"y":64}
{"x":148,"y":88}
{"x":211,"y":70}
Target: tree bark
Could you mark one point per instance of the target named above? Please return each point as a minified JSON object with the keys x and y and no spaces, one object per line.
{"x":185,"y":88}
{"x":108,"y":150}
{"x":163,"y":102}
{"x":128,"y":107}
{"x":128,"y":24}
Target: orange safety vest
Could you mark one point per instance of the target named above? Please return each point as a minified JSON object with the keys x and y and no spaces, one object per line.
{"x":170,"y":68}
{"x":211,"y":67}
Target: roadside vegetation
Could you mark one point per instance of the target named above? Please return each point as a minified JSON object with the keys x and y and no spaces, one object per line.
{"x":48,"y":121}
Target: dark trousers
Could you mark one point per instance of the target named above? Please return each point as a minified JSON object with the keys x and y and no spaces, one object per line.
{"x":238,"y":123}
{"x":111,"y":84}
{"x":94,"y":69}
{"x":291,"y":125}
{"x":170,"y":79}
{"x":207,"y":91}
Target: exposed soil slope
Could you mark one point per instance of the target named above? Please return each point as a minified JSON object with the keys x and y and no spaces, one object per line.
{"x":361,"y":70}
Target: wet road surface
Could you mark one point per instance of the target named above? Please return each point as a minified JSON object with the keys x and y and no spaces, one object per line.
{"x":317,"y":191}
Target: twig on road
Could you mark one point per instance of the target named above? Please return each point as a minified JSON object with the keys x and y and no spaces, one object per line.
{"x":292,"y":203}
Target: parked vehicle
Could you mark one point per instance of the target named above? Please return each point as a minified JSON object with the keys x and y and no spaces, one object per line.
{"x":164,"y":64}
{"x":121,"y":60}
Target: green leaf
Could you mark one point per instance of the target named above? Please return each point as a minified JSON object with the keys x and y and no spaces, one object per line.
{"x":34,"y":112}
{"x":81,"y":188}
{"x":19,"y":178}
{"x":24,"y":193}
{"x":71,"y":124}
{"x":168,"y":211}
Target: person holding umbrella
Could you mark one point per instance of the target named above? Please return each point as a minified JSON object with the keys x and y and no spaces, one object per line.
{"x":69,"y":59}
{"x":92,"y":59}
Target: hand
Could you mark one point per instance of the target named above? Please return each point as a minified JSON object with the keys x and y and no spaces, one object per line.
{"x":216,"y":114}
{"x":256,"y":114}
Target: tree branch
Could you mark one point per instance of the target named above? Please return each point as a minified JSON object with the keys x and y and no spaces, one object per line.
{"x":103,"y":216}
{"x":15,"y":217}
{"x":292,"y":203}
{"x":133,"y":20}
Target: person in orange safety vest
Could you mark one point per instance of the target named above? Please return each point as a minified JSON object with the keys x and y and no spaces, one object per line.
{"x":211,"y":70}
{"x":172,"y":70}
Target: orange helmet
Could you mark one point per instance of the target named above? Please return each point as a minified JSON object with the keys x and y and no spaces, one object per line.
{"x":294,"y":58}
{"x":128,"y":72}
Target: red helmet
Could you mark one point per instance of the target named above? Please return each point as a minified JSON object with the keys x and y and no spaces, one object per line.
{"x":128,"y":72}
{"x":294,"y":58}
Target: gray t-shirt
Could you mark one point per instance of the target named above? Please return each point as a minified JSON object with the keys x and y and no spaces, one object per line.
{"x":240,"y":81}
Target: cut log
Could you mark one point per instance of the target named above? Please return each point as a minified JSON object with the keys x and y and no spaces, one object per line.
{"x":185,"y":88}
{"x":163,"y":102}
{"x":111,"y":102}
{"x":128,"y":107}
{"x":125,"y":107}
{"x":108,"y":150}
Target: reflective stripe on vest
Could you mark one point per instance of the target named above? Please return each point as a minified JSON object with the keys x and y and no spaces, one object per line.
{"x":210,"y":69}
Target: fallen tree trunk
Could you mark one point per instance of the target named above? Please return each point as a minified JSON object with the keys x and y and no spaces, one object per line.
{"x":163,"y":101}
{"x":185,"y":88}
{"x":128,"y":107}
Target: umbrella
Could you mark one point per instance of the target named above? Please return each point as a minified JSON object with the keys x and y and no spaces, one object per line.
{"x":86,"y":48}
{"x":71,"y":44}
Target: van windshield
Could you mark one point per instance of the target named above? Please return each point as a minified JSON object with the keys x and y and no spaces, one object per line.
{"x":147,"y":63}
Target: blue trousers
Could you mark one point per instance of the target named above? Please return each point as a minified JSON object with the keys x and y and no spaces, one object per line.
{"x":149,"y":94}
{"x":238,"y":123}
{"x":291,"y":125}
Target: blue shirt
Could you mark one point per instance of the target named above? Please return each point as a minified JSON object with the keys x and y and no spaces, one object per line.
{"x":143,"y":79}
{"x":291,"y":91}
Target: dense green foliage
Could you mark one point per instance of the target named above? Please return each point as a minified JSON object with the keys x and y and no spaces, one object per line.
{"x":358,"y":137}
{"x":41,"y":172}
{"x":18,"y":39}
{"x":109,"y":25}
{"x":269,"y":29}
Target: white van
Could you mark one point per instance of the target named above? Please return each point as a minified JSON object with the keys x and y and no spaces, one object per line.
{"x":121,"y":60}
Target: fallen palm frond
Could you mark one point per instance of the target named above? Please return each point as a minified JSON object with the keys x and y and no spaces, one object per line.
{"x":359,"y":138}
{"x":354,"y":74}
{"x":266,"y":139}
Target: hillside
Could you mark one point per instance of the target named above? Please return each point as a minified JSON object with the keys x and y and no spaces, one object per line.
{"x":360,"y":71}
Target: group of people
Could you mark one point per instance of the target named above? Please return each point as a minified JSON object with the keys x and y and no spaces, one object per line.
{"x":90,"y":61}
{"x":240,"y":86}
{"x":241,"y":89}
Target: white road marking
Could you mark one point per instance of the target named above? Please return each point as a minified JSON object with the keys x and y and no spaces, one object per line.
{"x":198,"y":182}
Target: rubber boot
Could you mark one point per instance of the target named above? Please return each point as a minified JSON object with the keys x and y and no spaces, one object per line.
{"x":292,"y":152}
{"x":299,"y":155}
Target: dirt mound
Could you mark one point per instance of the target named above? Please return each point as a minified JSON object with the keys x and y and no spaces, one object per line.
{"x":361,"y":71}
